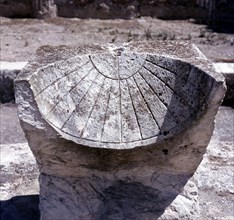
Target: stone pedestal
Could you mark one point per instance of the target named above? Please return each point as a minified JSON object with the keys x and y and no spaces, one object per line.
{"x":118,"y":130}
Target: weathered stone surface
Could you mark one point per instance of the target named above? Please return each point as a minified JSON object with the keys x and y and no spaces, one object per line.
{"x":98,"y":100}
{"x":85,"y":178}
{"x":214,"y":175}
{"x":213,"y":178}
{"x":111,"y":197}
{"x":19,"y":171}
{"x":119,"y":100}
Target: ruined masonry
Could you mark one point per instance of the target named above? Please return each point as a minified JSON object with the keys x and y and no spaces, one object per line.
{"x":118,"y":130}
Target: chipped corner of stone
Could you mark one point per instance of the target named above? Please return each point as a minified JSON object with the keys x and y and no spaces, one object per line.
{"x":218,"y":91}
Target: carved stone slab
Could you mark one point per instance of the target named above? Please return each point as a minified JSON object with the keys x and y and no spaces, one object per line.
{"x":118,"y":130}
{"x":120,"y":99}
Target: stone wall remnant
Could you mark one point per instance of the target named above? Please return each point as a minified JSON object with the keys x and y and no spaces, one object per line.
{"x":201,"y":10}
{"x":44,"y":8}
{"x":118,"y":130}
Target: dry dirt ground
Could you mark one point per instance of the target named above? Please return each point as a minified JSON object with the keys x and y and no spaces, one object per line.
{"x":21,"y":37}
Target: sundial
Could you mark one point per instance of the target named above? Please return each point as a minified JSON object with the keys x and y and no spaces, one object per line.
{"x":114,"y":127}
{"x":119,"y":98}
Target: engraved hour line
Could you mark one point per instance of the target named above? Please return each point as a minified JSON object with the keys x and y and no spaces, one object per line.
{"x":69,"y":92}
{"x":108,"y":100}
{"x":120,"y":103}
{"x":159,"y":98}
{"x":98,"y":69}
{"x":143,"y":63}
{"x":170,"y":88}
{"x":164,"y":68}
{"x":96,"y":99}
{"x":79,"y":102}
{"x":90,"y":140}
{"x":119,"y":76}
{"x":134,"y":110}
{"x":108,"y":142}
{"x":146,"y":103}
{"x":60,"y":78}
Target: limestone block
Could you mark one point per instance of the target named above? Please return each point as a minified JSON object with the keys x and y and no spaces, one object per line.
{"x":118,"y":130}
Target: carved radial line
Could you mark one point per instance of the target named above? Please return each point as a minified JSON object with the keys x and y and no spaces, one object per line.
{"x":120,"y":104}
{"x":136,"y":92}
{"x":81,"y":80}
{"x":159,"y":97}
{"x":136,"y":70}
{"x":69,"y":92}
{"x":106,"y":112}
{"x":60,"y":78}
{"x":78,"y":103}
{"x":169,"y":88}
{"x":119,"y":78}
{"x":205,"y":95}
{"x":134,"y":109}
{"x":146,"y":102}
{"x":98,"y":69}
{"x":164,"y":68}
{"x":96,"y":99}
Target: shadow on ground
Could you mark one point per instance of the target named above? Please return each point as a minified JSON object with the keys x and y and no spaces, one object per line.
{"x":20,"y":208}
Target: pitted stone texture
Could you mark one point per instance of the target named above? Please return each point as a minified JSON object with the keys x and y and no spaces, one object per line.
{"x":93,"y":176}
{"x":113,"y":197}
{"x":120,"y":99}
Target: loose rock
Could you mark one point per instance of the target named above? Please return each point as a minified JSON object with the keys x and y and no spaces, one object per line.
{"x":102,"y":176}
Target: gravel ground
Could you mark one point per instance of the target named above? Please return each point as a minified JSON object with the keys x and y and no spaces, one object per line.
{"x":21,"y":37}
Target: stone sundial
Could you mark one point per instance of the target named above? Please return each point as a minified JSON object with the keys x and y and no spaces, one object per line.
{"x":118,"y":99}
{"x":118,"y":130}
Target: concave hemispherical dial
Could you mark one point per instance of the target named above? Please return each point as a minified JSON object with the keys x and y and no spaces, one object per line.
{"x":119,"y":100}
